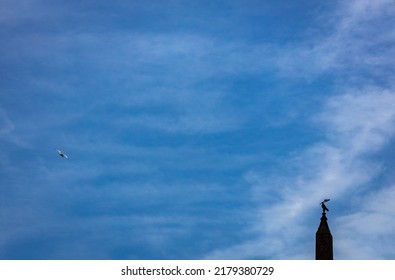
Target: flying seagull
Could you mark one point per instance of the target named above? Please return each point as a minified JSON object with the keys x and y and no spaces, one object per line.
{"x":62,"y":154}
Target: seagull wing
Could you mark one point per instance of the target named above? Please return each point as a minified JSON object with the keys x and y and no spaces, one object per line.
{"x":62,"y":154}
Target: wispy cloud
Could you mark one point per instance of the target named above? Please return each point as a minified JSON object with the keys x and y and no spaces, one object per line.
{"x":357,"y":123}
{"x":6,"y":125}
{"x":7,"y":130}
{"x":170,"y":130}
{"x":368,"y":231}
{"x":353,"y":40}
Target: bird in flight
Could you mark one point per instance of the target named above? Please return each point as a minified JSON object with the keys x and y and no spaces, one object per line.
{"x":62,"y":154}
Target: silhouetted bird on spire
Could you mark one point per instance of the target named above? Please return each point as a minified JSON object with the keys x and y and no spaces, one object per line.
{"x":324,"y":240}
{"x":324,"y":208}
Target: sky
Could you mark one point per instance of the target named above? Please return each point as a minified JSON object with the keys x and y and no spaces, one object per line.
{"x":196,"y":129}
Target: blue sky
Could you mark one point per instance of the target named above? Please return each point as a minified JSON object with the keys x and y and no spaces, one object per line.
{"x":196,"y":129}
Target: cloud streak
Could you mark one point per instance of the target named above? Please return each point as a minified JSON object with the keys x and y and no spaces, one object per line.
{"x":358,"y":125}
{"x":204,"y":144}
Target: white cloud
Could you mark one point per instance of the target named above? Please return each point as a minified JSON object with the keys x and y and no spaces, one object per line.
{"x":8,"y":130}
{"x":166,"y":69}
{"x":368,"y":232}
{"x":6,"y":126}
{"x":363,"y":121}
{"x":358,"y":37}
{"x":359,"y":125}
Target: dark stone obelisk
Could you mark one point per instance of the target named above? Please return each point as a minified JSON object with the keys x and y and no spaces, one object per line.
{"x":323,"y":238}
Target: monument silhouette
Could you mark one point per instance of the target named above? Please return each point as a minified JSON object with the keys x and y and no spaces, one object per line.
{"x":323,"y":237}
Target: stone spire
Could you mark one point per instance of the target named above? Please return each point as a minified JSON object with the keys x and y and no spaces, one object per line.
{"x":323,"y":238}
